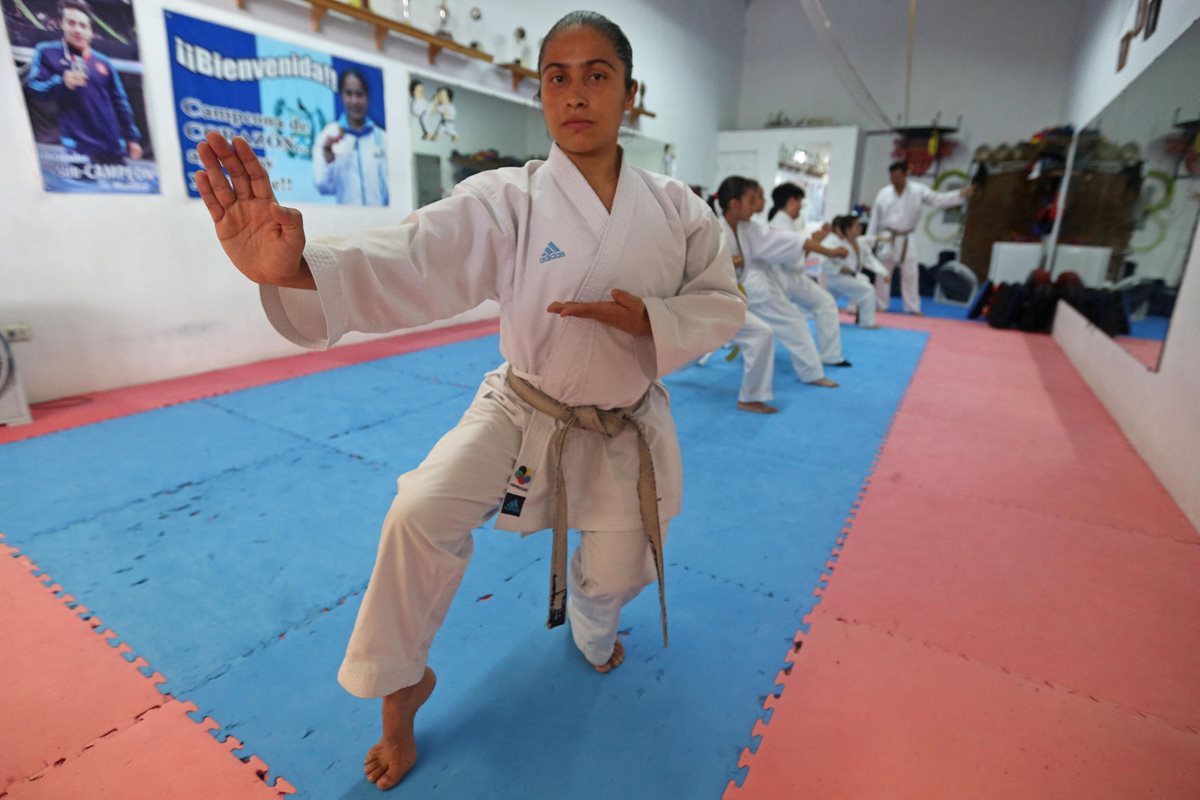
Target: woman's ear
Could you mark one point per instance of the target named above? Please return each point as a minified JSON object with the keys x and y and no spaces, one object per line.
{"x":630,"y":96}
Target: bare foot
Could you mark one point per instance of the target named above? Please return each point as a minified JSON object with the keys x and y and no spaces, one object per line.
{"x":757,"y":408}
{"x":614,"y":661}
{"x":391,"y":759}
{"x":828,"y":384}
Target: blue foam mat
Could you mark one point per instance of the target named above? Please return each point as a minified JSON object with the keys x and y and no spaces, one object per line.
{"x":226,"y":541}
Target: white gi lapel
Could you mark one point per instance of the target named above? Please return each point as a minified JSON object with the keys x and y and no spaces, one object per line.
{"x":597,"y":281}
{"x":571,"y":349}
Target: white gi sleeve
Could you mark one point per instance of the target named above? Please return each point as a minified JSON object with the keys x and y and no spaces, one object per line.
{"x":832,"y":266}
{"x":774,"y":246}
{"x":707,"y":310}
{"x":940,"y":199}
{"x":866,"y":247}
{"x":443,"y":259}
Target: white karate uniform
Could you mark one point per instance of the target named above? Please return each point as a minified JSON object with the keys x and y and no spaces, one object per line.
{"x":761,"y":247}
{"x":856,"y":287}
{"x":358,"y":175}
{"x":811,"y":298}
{"x":525,"y":237}
{"x":894,"y":218}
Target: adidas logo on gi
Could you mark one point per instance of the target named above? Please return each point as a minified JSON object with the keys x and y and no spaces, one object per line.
{"x":551,"y":252}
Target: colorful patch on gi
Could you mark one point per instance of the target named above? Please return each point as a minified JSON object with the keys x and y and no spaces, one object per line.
{"x":524,"y":476}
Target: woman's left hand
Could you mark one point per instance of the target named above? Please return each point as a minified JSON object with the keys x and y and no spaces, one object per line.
{"x":625,"y":312}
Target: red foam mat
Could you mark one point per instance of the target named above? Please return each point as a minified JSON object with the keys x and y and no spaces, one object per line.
{"x":99,"y":406}
{"x":77,"y":720}
{"x":1014,"y":612}
{"x":870,"y":716}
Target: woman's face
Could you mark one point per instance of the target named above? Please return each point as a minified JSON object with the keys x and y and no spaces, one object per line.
{"x":743,"y":207}
{"x":354,"y":98}
{"x":856,"y":229}
{"x":792,"y":207}
{"x":583,"y":91}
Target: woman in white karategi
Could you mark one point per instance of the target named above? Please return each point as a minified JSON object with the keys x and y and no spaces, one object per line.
{"x":852,"y":276}
{"x":608,"y":277}
{"x":760,"y":246}
{"x":349,"y":157}
{"x":786,"y":201}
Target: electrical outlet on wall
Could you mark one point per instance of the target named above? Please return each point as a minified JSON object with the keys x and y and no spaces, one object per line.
{"x":15,"y":331}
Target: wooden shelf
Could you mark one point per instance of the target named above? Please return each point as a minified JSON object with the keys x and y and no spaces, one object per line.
{"x":519,"y":73}
{"x":383,"y":26}
{"x":635,"y":113}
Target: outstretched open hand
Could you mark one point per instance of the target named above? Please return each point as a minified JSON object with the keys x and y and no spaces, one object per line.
{"x":262,"y":238}
{"x":624,"y":312}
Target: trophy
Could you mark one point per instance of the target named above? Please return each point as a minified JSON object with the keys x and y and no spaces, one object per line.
{"x":443,"y":12}
{"x":473,"y":28}
{"x":520,"y":47}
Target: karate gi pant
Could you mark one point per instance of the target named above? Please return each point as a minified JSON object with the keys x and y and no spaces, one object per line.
{"x":858,"y":290}
{"x":817,"y":301}
{"x":909,"y":282}
{"x":427,"y":542}
{"x":770,"y":303}
{"x":757,"y":343}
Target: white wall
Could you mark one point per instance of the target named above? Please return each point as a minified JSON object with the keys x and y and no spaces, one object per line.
{"x":1156,"y":410}
{"x":123,"y":290}
{"x":1002,"y":65}
{"x":1094,"y":80}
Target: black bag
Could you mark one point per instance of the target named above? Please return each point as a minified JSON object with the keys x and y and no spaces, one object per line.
{"x":1008,"y":300}
{"x":1038,"y":314}
{"x":956,"y":282}
{"x":982,"y":302}
{"x":1103,"y":307}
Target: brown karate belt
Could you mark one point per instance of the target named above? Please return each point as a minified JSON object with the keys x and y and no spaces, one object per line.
{"x":608,"y":423}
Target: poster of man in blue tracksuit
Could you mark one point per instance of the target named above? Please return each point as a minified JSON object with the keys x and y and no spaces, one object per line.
{"x":83,"y":115}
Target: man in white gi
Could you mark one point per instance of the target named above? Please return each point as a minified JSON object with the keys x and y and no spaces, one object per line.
{"x":607,"y":277}
{"x":894,"y":217}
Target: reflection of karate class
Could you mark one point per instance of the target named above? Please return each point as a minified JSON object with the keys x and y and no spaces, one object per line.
{"x":706,"y":440}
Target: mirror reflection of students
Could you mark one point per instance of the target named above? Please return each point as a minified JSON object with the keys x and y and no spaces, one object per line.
{"x":350,"y":154}
{"x":94,"y":115}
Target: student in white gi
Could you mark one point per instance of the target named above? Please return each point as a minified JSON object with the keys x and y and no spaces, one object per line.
{"x":759,"y":246}
{"x":608,"y":277}
{"x":786,"y":201}
{"x":350,"y":154}
{"x":894,"y":218}
{"x":851,"y":275}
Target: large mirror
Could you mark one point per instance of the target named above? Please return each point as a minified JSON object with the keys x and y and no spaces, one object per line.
{"x":1133,"y":200}
{"x":457,"y":132}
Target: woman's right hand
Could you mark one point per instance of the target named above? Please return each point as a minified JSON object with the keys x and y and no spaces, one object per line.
{"x":330,"y":142}
{"x":264,"y":240}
